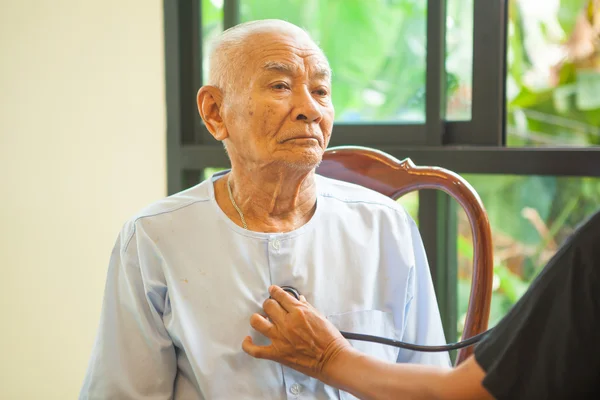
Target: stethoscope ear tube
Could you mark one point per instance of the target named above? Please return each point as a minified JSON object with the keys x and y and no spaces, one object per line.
{"x":397,"y":343}
{"x":415,"y":347}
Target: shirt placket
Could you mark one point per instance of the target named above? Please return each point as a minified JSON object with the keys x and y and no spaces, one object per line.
{"x":295,"y":383}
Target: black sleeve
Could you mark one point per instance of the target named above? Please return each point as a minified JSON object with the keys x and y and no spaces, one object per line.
{"x":547,"y":346}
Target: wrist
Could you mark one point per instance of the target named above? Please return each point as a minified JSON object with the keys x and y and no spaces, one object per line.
{"x":334,"y":369}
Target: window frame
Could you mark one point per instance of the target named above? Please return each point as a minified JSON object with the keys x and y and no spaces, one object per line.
{"x":475,"y":146}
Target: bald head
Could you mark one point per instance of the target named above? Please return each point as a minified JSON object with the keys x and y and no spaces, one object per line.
{"x":230,"y":50}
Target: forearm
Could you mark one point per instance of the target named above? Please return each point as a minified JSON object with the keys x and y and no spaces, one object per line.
{"x":312,"y":345}
{"x":370,"y":379}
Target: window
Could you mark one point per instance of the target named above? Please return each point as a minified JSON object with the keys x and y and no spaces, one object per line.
{"x":553,"y":73}
{"x":485,"y":94}
{"x":378,"y":61}
{"x":212,"y":24}
{"x":459,"y":59}
{"x":530,"y":216}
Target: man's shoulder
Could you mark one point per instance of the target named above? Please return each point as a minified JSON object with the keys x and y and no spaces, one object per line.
{"x":170,"y":207}
{"x":194,"y":195}
{"x":359,"y":199}
{"x":350,"y":194}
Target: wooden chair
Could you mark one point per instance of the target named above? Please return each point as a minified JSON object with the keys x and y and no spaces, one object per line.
{"x":385,"y":174}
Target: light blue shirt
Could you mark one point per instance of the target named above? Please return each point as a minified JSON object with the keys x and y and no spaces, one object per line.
{"x":184,"y":279}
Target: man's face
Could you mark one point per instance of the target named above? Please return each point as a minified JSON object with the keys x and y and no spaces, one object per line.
{"x":279,"y":109}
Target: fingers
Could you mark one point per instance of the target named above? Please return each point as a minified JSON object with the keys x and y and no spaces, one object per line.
{"x":256,"y":351}
{"x":287,"y":301}
{"x":274,"y":310}
{"x":262,"y":325}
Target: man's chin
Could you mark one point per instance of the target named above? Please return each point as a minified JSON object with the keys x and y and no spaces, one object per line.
{"x":304,"y":162}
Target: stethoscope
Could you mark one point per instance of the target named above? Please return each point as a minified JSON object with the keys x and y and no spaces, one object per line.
{"x":396,"y":343}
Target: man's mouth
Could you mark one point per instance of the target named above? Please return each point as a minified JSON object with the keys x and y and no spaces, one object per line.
{"x":303,"y":138}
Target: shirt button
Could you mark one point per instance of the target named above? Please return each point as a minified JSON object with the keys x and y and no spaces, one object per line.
{"x":296,"y":389}
{"x":275,"y":243}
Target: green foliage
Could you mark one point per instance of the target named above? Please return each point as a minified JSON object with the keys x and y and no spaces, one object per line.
{"x":506,"y":196}
{"x":374,"y":48}
{"x":565,"y":111}
{"x":531,"y":216}
{"x":208,"y":172}
{"x":568,"y":12}
{"x":410,"y":202}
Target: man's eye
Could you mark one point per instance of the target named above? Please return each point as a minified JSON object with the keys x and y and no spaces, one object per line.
{"x":321,"y":92}
{"x":280,"y":86}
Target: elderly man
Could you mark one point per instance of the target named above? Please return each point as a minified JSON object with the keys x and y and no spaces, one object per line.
{"x":187,"y":272}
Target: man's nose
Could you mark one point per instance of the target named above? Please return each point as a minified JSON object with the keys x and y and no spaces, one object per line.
{"x":307,"y":108}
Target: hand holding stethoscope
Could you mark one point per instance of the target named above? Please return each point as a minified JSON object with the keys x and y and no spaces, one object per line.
{"x":396,"y":343}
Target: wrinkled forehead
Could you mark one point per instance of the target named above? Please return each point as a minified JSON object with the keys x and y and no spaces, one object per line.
{"x":316,"y":69}
{"x":286,"y":53}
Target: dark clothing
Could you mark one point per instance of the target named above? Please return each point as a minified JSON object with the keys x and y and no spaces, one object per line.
{"x":548,"y":346}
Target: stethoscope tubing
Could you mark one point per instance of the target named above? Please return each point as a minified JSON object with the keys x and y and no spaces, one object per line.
{"x":397,"y":343}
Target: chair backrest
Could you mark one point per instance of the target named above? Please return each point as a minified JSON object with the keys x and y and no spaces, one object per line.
{"x":385,"y":174}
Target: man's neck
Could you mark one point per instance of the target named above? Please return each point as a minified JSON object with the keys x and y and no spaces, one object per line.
{"x":272,"y":199}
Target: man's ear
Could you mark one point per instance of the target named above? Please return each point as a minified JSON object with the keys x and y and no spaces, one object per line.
{"x":209,"y":101}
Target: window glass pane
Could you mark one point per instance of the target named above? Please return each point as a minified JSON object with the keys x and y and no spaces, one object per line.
{"x":553,"y":76}
{"x":459,"y":59}
{"x":209,"y":171}
{"x":376,"y":48}
{"x":410,"y":202}
{"x":530,"y":216}
{"x":212,"y":25}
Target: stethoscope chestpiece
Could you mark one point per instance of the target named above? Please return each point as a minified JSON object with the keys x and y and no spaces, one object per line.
{"x":292,"y":291}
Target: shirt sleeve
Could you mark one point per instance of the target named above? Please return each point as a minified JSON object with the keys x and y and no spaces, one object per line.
{"x":133,"y":356}
{"x":547,"y":345}
{"x":423,"y":324}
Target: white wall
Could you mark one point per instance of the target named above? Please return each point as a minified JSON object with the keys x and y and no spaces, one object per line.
{"x":82,"y":148}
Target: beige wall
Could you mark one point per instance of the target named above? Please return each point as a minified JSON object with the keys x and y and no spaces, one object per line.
{"x":82,"y":148}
